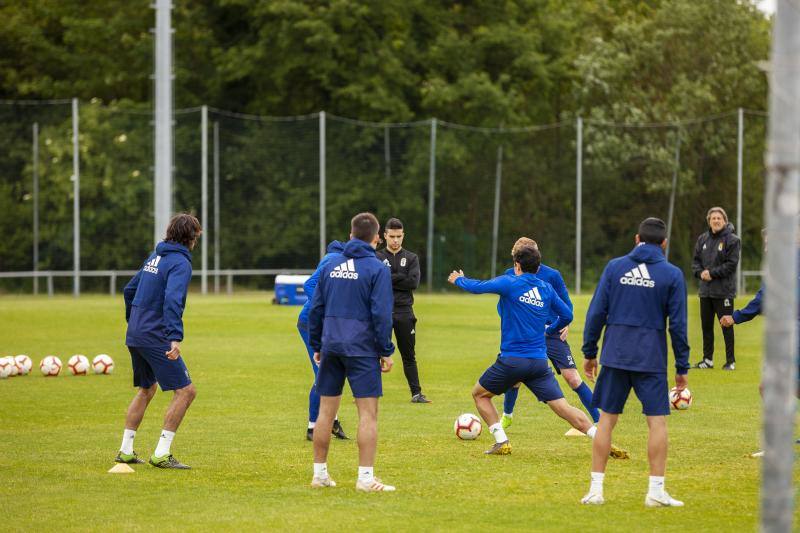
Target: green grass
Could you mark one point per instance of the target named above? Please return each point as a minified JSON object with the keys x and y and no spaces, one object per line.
{"x":244,"y":435}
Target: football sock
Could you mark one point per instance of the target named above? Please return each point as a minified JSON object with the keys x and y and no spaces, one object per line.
{"x":311,"y":424}
{"x":366,"y":474}
{"x":497,"y":431}
{"x":656,"y":486}
{"x":591,"y":432}
{"x":127,"y":441}
{"x":321,"y":470}
{"x":164,"y":442}
{"x":509,"y":400}
{"x":597,"y":482}
{"x":585,"y":394}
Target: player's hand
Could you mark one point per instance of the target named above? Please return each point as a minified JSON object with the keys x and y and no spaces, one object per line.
{"x":317,"y":358}
{"x":564,"y":332}
{"x":681,"y":381}
{"x":705,"y":275}
{"x":174,"y":350}
{"x":726,"y":321}
{"x":386,"y":364}
{"x":454,"y":275}
{"x":590,"y":369}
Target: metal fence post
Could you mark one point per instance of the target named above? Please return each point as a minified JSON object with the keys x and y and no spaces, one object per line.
{"x":498,"y":176}
{"x":163,"y":118}
{"x":204,"y":196}
{"x":76,"y":203}
{"x":216,"y":207}
{"x":674,"y":191}
{"x":578,"y":201}
{"x":739,"y":229}
{"x":322,"y":185}
{"x":431,"y":205}
{"x":35,"y":206}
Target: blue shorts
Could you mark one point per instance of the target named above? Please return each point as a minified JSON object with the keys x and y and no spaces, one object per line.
{"x":534,"y":373}
{"x":614,"y":385}
{"x":362,"y":373}
{"x":559,"y":353}
{"x":151,"y":365}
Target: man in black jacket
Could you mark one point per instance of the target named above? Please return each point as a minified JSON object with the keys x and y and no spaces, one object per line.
{"x":716,"y":256}
{"x":405,"y":279}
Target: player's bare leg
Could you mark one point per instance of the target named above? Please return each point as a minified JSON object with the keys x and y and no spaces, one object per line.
{"x":181,"y":400}
{"x":328,"y":407}
{"x":601,"y":447}
{"x":133,"y":418}
{"x":487,"y":410}
{"x":573,"y":415}
{"x":657,"y":455}
{"x":367,"y":439}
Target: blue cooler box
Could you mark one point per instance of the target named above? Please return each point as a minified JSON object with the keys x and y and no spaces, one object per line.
{"x":289,"y":290}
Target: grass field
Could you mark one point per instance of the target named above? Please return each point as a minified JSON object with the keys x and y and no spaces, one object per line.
{"x":245,"y":434}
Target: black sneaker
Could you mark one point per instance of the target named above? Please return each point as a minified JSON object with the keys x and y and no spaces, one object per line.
{"x":131,"y":459}
{"x":310,"y":434}
{"x":337,"y":431}
{"x":168,"y":461}
{"x":729,"y":366}
{"x":419,"y":398}
{"x":704,"y":364}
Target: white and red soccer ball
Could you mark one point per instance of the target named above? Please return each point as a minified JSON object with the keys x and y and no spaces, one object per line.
{"x":680,"y":399}
{"x":103,"y":364}
{"x":7,"y":366}
{"x":78,"y":365}
{"x":468,"y":427}
{"x":24,"y":364}
{"x":50,"y":366}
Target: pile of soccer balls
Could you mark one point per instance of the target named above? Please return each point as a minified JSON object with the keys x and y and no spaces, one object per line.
{"x":51,"y":366}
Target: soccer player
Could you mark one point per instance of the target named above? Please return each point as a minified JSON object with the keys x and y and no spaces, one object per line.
{"x":636,"y":295}
{"x":404,"y":267}
{"x":557,"y":347}
{"x":334,"y":247}
{"x":154,"y":302}
{"x":350,"y":330}
{"x":525,"y":305}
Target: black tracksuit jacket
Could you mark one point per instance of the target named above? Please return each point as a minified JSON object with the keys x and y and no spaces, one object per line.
{"x":405,"y":276}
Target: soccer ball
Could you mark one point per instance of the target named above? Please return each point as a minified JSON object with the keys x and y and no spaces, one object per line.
{"x":680,"y":399}
{"x":50,"y":366}
{"x":467,"y":427}
{"x":14,"y":367}
{"x":103,"y":364}
{"x":78,"y":365}
{"x":6,"y":363}
{"x":24,"y":364}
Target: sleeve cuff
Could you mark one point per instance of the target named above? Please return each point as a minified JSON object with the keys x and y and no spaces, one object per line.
{"x":681,"y":371}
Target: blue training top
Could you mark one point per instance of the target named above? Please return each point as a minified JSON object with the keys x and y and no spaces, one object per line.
{"x":556,"y":280}
{"x":526,"y":303}
{"x":310,"y":285}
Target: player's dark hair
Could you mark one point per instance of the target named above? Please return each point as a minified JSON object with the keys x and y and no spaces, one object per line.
{"x":393,"y":223}
{"x":364,"y":227}
{"x":652,"y":231}
{"x":529,"y":259}
{"x":184,"y":229}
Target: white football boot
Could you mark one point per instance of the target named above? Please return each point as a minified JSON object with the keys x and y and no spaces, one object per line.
{"x":665,"y":500}
{"x":322,"y":482}
{"x":593,"y":498}
{"x":376,"y":486}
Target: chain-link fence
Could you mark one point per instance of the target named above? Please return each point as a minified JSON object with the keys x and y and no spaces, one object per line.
{"x":274,"y":190}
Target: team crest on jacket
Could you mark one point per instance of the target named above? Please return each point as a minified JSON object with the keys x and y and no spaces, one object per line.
{"x":719,"y":248}
{"x":152,"y":265}
{"x":532,"y":297}
{"x":346,"y":270}
{"x":403,"y":262}
{"x":638,"y":276}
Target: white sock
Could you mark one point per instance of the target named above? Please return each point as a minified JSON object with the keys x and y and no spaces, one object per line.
{"x":597,"y":482}
{"x":164,"y":442}
{"x":508,"y":415}
{"x":321,"y":470}
{"x":497,"y":431}
{"x":127,"y":441}
{"x":656,"y":486}
{"x":591,"y":432}
{"x":311,"y":425}
{"x":366,"y":474}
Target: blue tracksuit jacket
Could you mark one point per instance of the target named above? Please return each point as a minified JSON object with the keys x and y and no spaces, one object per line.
{"x":351,"y":311}
{"x":556,"y":280}
{"x":526,"y":303}
{"x":311,"y":283}
{"x":752,"y":309}
{"x":156,"y":296}
{"x":635,"y":296}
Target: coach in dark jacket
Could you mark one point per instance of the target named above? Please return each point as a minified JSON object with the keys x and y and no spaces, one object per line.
{"x":716,"y":256}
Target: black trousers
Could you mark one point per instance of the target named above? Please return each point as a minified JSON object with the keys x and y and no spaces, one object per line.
{"x":719,"y":307}
{"x":405,"y":323}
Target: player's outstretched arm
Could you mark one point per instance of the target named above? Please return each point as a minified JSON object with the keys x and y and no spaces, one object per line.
{"x":381,"y":301}
{"x":498,"y":285}
{"x":129,"y":293}
{"x":596,"y":316}
{"x":175,"y":300}
{"x":564,"y":313}
{"x":676,"y":307}
{"x":751,"y":310}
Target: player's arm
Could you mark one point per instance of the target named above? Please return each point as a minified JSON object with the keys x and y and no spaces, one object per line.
{"x":316,"y":315}
{"x":381,"y":301}
{"x":174,"y":302}
{"x":729,"y":262}
{"x":676,"y":308}
{"x":498,"y":285}
{"x":564,"y":313}
{"x":751,"y":310}
{"x":561,"y":291}
{"x":311,"y":283}
{"x":129,"y":293}
{"x":596,"y":317}
{"x":408,"y":281}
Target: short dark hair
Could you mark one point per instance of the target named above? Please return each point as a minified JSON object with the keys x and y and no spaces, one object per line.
{"x":364,"y":227}
{"x":529,"y":259}
{"x":184,"y":229}
{"x":393,"y":223}
{"x":652,"y":231}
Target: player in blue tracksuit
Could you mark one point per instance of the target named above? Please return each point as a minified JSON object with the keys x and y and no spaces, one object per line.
{"x":526,"y":303}
{"x":350,"y":331}
{"x":636,"y":295}
{"x":154,"y":302}
{"x":557,"y":347}
{"x":334,"y":247}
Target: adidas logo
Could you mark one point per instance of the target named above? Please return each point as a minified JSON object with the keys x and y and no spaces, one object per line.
{"x":152,"y":265}
{"x":532,"y":297}
{"x":638,"y":276}
{"x":346,"y":270}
